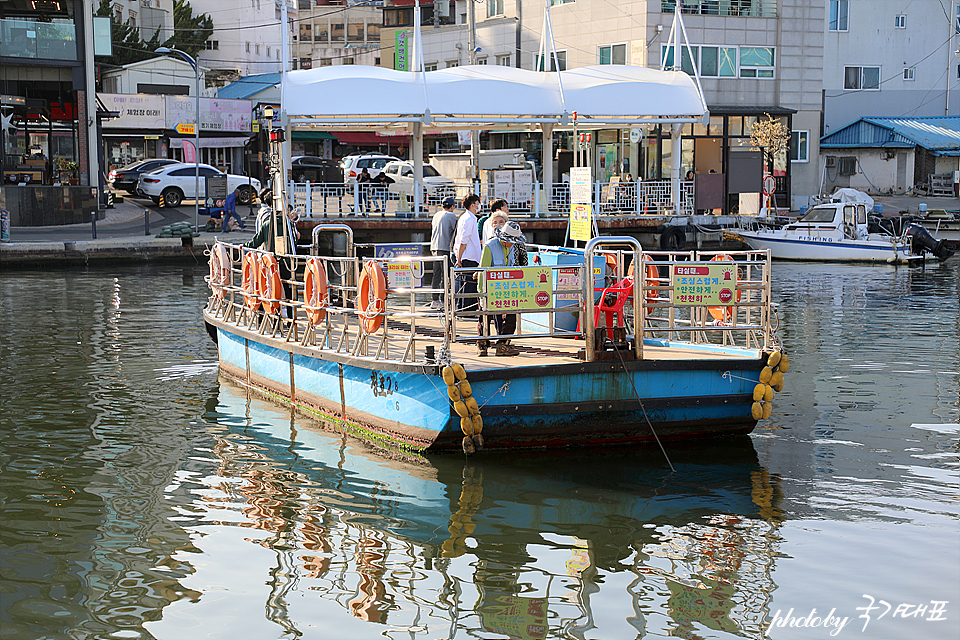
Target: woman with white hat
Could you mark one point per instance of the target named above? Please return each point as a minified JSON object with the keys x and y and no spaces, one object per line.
{"x":501,"y":251}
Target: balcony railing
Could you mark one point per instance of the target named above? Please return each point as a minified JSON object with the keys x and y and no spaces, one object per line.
{"x":743,"y":8}
{"x":38,"y":40}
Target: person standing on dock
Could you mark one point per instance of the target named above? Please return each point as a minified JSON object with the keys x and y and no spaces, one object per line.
{"x":443,"y":231}
{"x":467,"y":250}
{"x":501,"y":252}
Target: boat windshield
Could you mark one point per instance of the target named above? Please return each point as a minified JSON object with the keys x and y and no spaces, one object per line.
{"x":819,"y":214}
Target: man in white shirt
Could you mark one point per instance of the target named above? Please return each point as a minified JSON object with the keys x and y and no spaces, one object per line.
{"x":467,"y":249}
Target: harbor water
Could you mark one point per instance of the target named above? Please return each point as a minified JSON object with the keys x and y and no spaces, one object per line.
{"x":142,"y":497}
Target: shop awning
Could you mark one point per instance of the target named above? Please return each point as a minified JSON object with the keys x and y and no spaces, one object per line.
{"x":312,"y":136}
{"x":370,"y":138}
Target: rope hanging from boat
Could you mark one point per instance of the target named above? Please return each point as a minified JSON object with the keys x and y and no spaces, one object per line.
{"x":649,"y":424}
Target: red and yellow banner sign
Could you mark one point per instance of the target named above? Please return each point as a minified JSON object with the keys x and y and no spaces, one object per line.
{"x":518,"y":288}
{"x":710,"y":283}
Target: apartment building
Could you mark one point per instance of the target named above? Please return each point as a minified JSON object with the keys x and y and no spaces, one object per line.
{"x":247,"y":37}
{"x":334,"y":32}
{"x":148,"y":16}
{"x":886,"y":58}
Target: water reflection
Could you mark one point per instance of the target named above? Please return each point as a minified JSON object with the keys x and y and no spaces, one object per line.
{"x":524,"y":545}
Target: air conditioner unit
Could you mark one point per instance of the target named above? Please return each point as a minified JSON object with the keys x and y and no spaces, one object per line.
{"x":831,"y":162}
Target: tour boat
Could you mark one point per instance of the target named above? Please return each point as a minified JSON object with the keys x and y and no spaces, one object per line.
{"x":357,"y":344}
{"x":839,"y":232}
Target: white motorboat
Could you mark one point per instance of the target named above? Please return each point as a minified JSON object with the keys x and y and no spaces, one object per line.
{"x":839,"y":232}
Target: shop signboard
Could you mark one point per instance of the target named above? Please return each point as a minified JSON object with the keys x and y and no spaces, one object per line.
{"x":216,"y":115}
{"x":137,"y":111}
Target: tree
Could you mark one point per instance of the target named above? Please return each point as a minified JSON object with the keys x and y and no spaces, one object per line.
{"x":771,"y":137}
{"x":128,"y":46}
{"x":190,"y":33}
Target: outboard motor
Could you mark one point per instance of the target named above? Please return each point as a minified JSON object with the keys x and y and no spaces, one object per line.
{"x":922,"y":241}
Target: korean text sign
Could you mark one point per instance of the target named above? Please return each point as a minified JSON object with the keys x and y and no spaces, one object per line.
{"x":710,"y":283}
{"x":518,"y":288}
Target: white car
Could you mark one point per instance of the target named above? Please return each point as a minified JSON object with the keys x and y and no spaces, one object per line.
{"x":434,"y":185}
{"x":353,"y":166}
{"x":176,"y":183}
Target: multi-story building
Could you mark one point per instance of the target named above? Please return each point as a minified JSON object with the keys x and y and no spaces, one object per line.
{"x":148,"y":16}
{"x":48,"y":111}
{"x":247,"y":37}
{"x":755,"y":58}
{"x":886,"y":58}
{"x":333,"y":32}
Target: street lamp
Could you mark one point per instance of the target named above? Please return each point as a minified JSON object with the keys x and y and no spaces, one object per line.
{"x":196,"y":152}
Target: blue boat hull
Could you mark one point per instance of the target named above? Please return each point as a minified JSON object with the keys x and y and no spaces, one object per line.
{"x":405,"y":406}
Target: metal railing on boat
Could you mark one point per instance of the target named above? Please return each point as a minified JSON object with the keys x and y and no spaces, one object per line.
{"x":409,"y":326}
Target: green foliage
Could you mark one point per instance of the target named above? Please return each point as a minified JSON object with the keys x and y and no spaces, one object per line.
{"x":190,"y":32}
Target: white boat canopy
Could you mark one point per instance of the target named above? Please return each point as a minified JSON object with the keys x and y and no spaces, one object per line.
{"x":488,"y":97}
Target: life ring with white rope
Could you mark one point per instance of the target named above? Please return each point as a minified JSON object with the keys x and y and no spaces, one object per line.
{"x":250,"y":282}
{"x":315,"y":291}
{"x":271,"y":289}
{"x":371,"y":296}
{"x":219,"y":269}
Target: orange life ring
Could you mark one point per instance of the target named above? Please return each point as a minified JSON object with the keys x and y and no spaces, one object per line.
{"x":250,"y":284}
{"x":271,"y":289}
{"x":219,"y":269}
{"x":371,"y":296}
{"x":723,"y":314}
{"x":653,"y":277}
{"x":315,"y":299}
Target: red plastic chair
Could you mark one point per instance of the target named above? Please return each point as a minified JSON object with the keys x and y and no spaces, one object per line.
{"x":612,"y":300}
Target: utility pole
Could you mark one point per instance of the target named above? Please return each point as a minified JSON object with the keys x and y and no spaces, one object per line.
{"x":472,"y":43}
{"x":952,"y":29}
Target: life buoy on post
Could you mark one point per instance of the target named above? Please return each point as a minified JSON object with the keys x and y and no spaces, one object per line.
{"x":653,"y":277}
{"x":250,"y":284}
{"x":315,"y":288}
{"x":371,"y":296}
{"x":723,"y":315}
{"x":271,"y":289}
{"x":219,"y":269}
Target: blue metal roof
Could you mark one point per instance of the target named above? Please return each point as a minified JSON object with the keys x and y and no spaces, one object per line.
{"x":248,"y":86}
{"x":940,"y":135}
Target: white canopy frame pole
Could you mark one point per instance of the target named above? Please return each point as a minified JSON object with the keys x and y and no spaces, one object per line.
{"x":416,"y":149}
{"x":676,"y":29}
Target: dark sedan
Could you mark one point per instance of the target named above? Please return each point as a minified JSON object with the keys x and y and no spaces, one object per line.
{"x":126,"y":178}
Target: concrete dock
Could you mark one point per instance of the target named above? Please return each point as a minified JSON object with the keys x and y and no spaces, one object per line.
{"x":127,"y":232}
